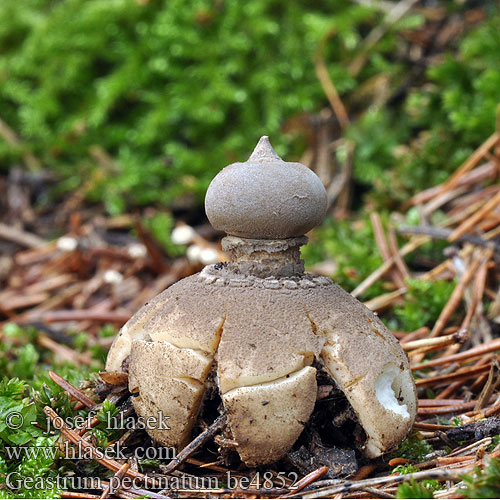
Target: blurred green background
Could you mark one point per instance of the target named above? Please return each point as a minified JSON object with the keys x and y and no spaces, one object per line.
{"x":141,"y":102}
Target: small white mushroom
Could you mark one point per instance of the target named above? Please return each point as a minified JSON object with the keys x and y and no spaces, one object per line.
{"x":112,"y":276}
{"x":193,"y":253}
{"x":67,"y":243}
{"x":209,"y":256}
{"x":137,"y":250}
{"x":183,"y":234}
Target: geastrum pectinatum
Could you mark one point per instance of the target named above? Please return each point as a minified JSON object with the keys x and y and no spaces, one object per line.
{"x":264,"y":327}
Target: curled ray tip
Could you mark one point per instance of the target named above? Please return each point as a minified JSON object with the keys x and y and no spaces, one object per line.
{"x":264,"y":152}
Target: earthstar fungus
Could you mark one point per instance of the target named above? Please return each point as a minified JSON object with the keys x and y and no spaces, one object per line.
{"x":260,"y":323}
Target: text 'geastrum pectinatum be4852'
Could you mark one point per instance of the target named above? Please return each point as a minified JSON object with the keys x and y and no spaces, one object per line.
{"x":262,"y":330}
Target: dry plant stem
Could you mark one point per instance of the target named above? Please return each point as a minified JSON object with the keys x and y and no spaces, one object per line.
{"x":363,"y":472}
{"x":472,"y":221}
{"x":347,"y":486}
{"x":441,"y":233}
{"x":448,"y":492}
{"x":213,"y":465}
{"x":424,"y":350}
{"x":398,"y":461}
{"x":471,"y":162}
{"x":63,"y":351}
{"x":339,"y":191}
{"x":384,"y":301}
{"x":379,"y":234}
{"x":331,"y":93}
{"x":75,"y":315}
{"x":455,"y":386}
{"x":442,"y":199}
{"x":36,"y":255}
{"x":76,"y":494}
{"x":383,"y":248}
{"x":118,"y":476}
{"x":55,"y":301}
{"x":76,"y":439}
{"x":479,"y":284}
{"x":307,"y":480}
{"x":481,"y":173}
{"x":480,"y":281}
{"x":480,"y":381}
{"x":462,"y":375}
{"x":20,"y":237}
{"x":93,"y":422}
{"x":396,"y":254}
{"x":377,"y":493}
{"x":217,"y":425}
{"x":328,"y":85}
{"x":432,"y":427}
{"x":454,"y":460}
{"x":234,"y":492}
{"x":417,"y":334}
{"x":393,"y":16}
{"x":443,"y":410}
{"x":441,"y":269}
{"x":140,"y":493}
{"x":492,"y":234}
{"x":434,"y":342}
{"x":489,"y":387}
{"x":136,"y":493}
{"x":467,"y":205}
{"x":73,"y":391}
{"x":21,"y":301}
{"x":412,"y":245}
{"x":462,"y":356}
{"x":485,"y":412}
{"x":49,"y":284}
{"x":472,"y":447}
{"x":426,"y":403}
{"x":454,"y":300}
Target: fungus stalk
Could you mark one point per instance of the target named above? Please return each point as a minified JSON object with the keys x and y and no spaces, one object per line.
{"x":264,"y":258}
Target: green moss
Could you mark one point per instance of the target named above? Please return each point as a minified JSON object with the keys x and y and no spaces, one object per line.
{"x":179,"y":91}
{"x":21,"y":356}
{"x":414,"y":489}
{"x":423,"y":303}
{"x":414,"y":448}
{"x":405,"y":469}
{"x":183,"y":89}
{"x":400,"y":150}
{"x":18,"y":415}
{"x":483,"y":483}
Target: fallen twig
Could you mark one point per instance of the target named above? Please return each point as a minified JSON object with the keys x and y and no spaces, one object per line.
{"x":72,"y":390}
{"x":218,"y":424}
